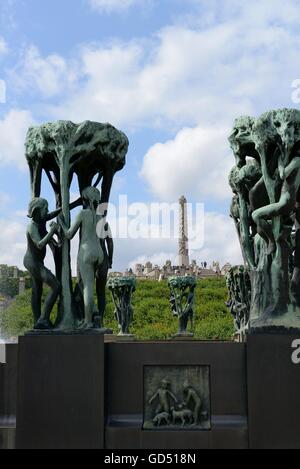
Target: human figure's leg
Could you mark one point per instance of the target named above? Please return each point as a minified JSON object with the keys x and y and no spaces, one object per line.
{"x":197,"y":413}
{"x":101,"y":281}
{"x":50,"y":280}
{"x":158,"y":409}
{"x":36,"y":298}
{"x":88,"y":276}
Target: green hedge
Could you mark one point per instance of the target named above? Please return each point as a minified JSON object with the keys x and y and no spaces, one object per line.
{"x":153,"y":319}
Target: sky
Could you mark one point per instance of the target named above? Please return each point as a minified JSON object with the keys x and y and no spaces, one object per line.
{"x":172,"y":74}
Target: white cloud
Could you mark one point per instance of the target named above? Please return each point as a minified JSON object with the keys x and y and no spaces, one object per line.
{"x":12,"y":242}
{"x":196,"y":163}
{"x":221,"y":240}
{"x":48,"y":76}
{"x":109,"y":6}
{"x":158,"y":82}
{"x":220,"y":244}
{"x":13,"y":129}
{"x":155,"y":259}
{"x":231,"y":59}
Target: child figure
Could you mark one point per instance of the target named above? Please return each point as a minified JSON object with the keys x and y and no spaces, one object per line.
{"x":90,"y":255}
{"x":37,"y":240}
{"x":192,"y":397}
{"x":163,"y":394}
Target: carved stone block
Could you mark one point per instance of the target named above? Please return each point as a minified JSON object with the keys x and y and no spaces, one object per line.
{"x":177,"y":398}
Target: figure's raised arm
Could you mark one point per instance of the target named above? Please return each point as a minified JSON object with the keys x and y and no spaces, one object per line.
{"x":71,"y":232}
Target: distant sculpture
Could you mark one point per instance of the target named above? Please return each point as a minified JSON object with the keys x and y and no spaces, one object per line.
{"x":94,"y":153}
{"x":37,"y":240}
{"x":183,"y":252}
{"x":239,"y":298}
{"x":122,"y":289}
{"x":182,"y":302}
{"x":265,"y":209}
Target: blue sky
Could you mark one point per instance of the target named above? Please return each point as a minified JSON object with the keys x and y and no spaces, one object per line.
{"x":172,"y":74}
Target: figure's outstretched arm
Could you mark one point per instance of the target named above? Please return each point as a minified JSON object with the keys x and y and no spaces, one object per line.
{"x":76,"y":204}
{"x":39,"y":242}
{"x":173,"y":396}
{"x":57,"y":212}
{"x":71,"y":232}
{"x":53,"y":215}
{"x":153,"y":398}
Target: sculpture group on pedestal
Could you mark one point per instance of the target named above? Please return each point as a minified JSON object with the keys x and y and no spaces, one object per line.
{"x":239,"y":298}
{"x":265,"y":208}
{"x":62,"y":150}
{"x":182,"y":302}
{"x":122,"y":289}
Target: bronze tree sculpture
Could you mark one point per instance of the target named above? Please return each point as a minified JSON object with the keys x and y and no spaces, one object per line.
{"x":265,"y":209}
{"x":62,"y":150}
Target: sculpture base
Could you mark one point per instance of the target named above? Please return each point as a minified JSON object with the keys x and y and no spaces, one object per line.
{"x":76,"y":332}
{"x":127,"y":410}
{"x":7,"y":435}
{"x":8,"y":398}
{"x":120,"y":338}
{"x":60,"y":402}
{"x":270,"y":323}
{"x":183,"y":338}
{"x":273,"y":392}
{"x":183,"y":335}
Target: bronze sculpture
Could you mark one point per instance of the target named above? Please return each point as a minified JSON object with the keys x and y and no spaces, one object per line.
{"x":265,"y":208}
{"x":94,"y":153}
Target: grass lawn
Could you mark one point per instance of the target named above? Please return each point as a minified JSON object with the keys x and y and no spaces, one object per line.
{"x":153,"y":319}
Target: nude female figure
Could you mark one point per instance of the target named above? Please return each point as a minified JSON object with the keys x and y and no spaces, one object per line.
{"x":90,"y":255}
{"x":37,"y":240}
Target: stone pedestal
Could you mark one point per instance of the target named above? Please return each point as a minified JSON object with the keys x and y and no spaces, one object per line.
{"x":274,"y":391}
{"x":60,"y":402}
{"x":127,"y":391}
{"x":8,"y":391}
